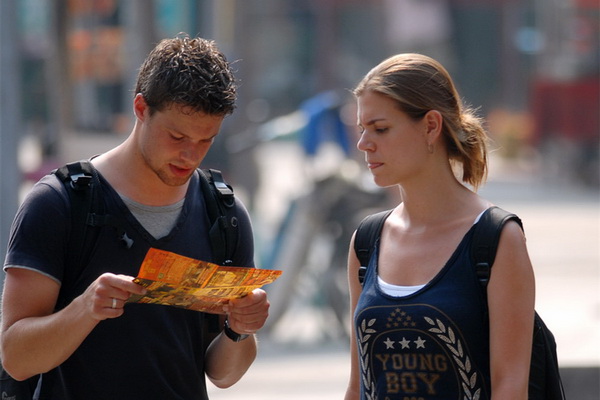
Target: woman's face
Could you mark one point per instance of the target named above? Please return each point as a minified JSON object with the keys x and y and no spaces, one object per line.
{"x":395,"y":145}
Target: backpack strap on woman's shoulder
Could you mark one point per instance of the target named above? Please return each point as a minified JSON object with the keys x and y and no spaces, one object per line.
{"x":366,"y":236}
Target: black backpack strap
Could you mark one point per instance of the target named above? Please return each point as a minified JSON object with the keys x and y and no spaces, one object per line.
{"x":223,"y":232}
{"x":366,"y":236}
{"x":80,"y":178}
{"x":87,"y":211}
{"x":220,"y":206}
{"x":485,"y":240}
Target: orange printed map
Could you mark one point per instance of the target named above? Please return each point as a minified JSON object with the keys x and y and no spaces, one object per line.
{"x":175,"y":280}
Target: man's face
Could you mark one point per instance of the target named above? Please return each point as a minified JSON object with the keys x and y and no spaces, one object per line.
{"x":173,"y":142}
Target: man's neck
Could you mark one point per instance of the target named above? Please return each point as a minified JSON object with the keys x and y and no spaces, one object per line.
{"x":132,"y":178}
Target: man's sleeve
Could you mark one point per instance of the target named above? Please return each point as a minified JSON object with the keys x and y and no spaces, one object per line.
{"x":40,"y":230}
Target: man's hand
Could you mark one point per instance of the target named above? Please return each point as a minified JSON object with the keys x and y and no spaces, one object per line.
{"x":249,"y":313}
{"x":106,"y":296}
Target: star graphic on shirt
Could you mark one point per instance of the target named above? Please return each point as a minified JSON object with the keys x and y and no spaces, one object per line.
{"x":389,"y":344}
{"x":405,"y":343}
{"x":420,"y":342}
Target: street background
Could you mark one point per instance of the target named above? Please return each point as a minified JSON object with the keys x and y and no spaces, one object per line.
{"x":530,"y":67}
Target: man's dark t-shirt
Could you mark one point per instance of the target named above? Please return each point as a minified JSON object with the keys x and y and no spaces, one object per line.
{"x":152,"y":351}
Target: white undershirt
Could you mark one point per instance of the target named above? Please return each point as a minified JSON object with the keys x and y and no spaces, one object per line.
{"x":401,"y":291}
{"x":397,"y":290}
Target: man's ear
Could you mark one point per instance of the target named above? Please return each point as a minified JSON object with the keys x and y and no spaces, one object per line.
{"x":140,"y":107}
{"x":433,"y":124}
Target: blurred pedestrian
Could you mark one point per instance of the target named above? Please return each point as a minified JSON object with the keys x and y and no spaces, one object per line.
{"x":72,"y":323}
{"x":420,"y":323}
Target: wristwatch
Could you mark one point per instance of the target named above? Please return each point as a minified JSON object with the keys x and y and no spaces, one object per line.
{"x":233,"y":335}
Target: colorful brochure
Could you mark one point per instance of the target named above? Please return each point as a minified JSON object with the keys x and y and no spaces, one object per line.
{"x":175,"y":280}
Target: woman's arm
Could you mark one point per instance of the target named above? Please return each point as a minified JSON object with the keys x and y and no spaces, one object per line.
{"x":511,"y":300}
{"x":353,"y":390}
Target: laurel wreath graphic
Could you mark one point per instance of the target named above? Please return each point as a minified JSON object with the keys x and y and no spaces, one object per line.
{"x":364,"y":334}
{"x":461,"y":359}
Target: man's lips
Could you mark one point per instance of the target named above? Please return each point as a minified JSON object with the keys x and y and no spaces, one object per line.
{"x":180,"y":171}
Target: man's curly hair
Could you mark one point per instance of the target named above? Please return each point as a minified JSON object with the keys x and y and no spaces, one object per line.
{"x":186,"y":72}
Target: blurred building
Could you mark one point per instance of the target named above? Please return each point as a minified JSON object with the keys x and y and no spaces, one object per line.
{"x":532,"y":66}
{"x":79,"y":57}
{"x":565,"y":90}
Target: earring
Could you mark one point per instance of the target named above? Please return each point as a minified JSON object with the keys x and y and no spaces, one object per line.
{"x":430,"y":148}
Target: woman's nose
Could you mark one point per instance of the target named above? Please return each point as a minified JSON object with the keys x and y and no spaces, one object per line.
{"x":363,"y":143}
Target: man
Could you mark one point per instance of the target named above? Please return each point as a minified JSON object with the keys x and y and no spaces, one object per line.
{"x":72,"y":324}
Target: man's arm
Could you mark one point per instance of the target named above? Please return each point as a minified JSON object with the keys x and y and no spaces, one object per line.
{"x":226,"y":360}
{"x":35,"y":339}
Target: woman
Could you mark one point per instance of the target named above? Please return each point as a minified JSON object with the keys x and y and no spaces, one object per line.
{"x":417,"y":135}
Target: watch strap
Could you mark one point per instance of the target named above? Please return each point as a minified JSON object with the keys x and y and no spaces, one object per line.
{"x":233,"y":335}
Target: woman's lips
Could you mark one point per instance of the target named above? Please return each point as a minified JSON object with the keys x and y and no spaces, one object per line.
{"x":373,"y":165}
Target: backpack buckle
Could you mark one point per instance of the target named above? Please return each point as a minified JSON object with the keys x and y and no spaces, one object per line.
{"x":362,"y":271}
{"x":224,"y":190}
{"x":80,"y":181}
{"x":482,"y":270}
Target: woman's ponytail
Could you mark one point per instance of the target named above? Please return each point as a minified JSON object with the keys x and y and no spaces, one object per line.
{"x":468,"y":147}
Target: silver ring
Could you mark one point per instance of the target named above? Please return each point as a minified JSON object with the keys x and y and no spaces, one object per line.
{"x":114,"y":303}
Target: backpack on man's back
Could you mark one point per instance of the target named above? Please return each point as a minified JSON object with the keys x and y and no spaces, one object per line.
{"x":544,"y":375}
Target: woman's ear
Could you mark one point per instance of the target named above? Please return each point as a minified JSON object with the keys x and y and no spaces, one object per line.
{"x":433,"y":123}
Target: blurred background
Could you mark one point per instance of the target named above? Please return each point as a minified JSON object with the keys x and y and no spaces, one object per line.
{"x":532,"y":67}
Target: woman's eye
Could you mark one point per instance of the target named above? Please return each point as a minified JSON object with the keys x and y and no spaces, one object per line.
{"x":381,"y":130}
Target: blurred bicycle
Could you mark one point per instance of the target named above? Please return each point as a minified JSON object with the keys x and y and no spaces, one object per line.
{"x":311,"y":247}
{"x":311,"y":241}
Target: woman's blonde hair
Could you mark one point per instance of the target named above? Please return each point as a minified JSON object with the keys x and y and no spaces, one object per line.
{"x":420,"y":84}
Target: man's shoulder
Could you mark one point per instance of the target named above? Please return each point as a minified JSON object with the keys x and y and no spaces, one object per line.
{"x":49,"y":189}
